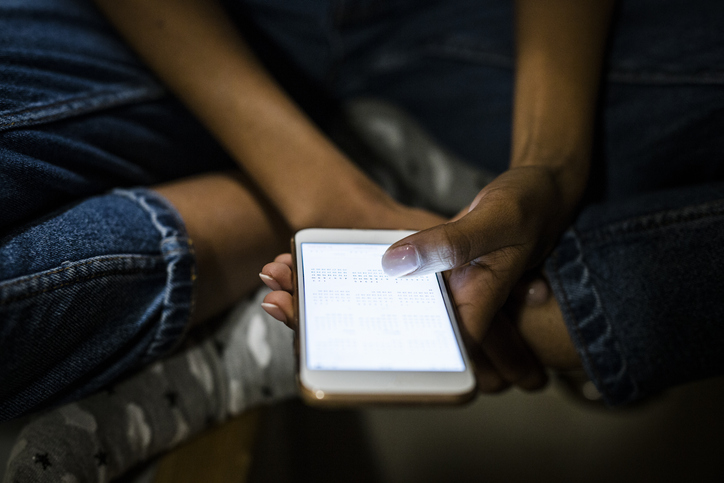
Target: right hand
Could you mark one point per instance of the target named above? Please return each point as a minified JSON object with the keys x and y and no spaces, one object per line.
{"x":512,"y":224}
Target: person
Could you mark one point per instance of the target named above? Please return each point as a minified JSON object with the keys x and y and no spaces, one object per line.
{"x":124,"y":220}
{"x":129,"y":217}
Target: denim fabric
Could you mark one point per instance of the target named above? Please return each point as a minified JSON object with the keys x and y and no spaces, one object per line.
{"x":641,"y":290}
{"x":89,"y":292}
{"x":95,"y":282}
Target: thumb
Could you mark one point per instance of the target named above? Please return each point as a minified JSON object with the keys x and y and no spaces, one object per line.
{"x":433,"y":250}
{"x":491,"y":223}
{"x":436,"y":249}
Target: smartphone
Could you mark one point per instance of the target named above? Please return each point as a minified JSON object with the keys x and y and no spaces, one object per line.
{"x":368,"y":337}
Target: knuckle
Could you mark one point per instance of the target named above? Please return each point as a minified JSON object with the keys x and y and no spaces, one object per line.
{"x":458,"y":245}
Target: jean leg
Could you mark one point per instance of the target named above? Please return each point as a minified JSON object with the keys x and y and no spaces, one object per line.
{"x":96,"y":274}
{"x":664,"y":99}
{"x":447,"y":63}
{"x":79,"y":113}
{"x":117,"y":294}
{"x":638,"y":276}
{"x":639,"y":283}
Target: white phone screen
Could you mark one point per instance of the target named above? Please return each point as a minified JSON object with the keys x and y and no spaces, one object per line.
{"x":358,"y":318}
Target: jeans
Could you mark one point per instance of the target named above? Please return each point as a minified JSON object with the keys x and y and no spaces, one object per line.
{"x":96,"y":270}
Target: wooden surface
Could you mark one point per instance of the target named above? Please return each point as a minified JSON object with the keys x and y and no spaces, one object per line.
{"x":219,"y":455}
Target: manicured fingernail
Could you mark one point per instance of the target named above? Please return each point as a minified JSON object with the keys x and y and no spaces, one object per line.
{"x":274,"y":310}
{"x":270,"y":282}
{"x":400,"y":261}
{"x":537,"y":293}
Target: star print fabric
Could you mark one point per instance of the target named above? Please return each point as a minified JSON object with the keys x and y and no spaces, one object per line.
{"x":247,"y":361}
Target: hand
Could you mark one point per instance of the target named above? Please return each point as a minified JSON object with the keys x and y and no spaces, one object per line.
{"x":277,"y":275}
{"x":537,"y":316}
{"x":511,"y":225}
{"x":355,"y":202}
{"x":379,"y":212}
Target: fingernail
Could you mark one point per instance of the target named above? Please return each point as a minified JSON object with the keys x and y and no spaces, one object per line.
{"x":400,"y":261}
{"x":270,"y":282}
{"x":274,"y":310}
{"x":537,"y":293}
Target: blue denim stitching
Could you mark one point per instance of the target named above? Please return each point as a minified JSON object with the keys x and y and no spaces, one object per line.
{"x":586,"y":320}
{"x":30,"y":286}
{"x":178,"y":253}
{"x":470,"y":51}
{"x":654,"y":221}
{"x":75,"y":106}
{"x":665,"y":78}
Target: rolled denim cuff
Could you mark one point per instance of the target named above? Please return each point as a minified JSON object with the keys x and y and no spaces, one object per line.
{"x":592,"y":333}
{"x":640,"y":287}
{"x":178,"y":253}
{"x":88,"y":293}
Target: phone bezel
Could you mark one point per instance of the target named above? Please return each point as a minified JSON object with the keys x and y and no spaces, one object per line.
{"x":358,"y":386}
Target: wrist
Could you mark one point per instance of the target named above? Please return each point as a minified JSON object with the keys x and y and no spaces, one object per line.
{"x":567,"y":169}
{"x":551,"y":201}
{"x":351,"y":201}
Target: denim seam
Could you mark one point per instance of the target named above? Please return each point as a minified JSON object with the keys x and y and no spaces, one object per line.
{"x":80,"y":105}
{"x":178,"y":253}
{"x":617,"y":386}
{"x":664,"y":78}
{"x":471,"y":52}
{"x":572,"y":321}
{"x":569,"y":310}
{"x":649,"y":222}
{"x":59,"y":270}
{"x":72,"y":282}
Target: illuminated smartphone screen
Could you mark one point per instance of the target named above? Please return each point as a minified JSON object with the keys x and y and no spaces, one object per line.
{"x":358,"y":318}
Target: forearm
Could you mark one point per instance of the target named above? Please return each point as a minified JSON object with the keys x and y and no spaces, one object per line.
{"x":233,"y":233}
{"x":194,"y":48}
{"x":559,"y":55}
